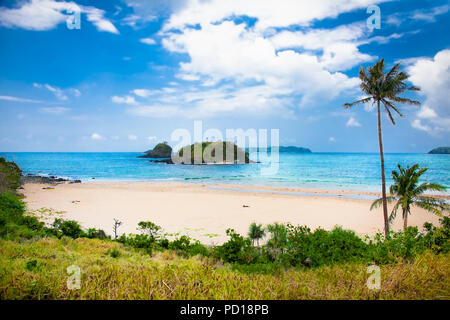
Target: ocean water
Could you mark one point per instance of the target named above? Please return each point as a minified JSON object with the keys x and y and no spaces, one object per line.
{"x":344,"y":171}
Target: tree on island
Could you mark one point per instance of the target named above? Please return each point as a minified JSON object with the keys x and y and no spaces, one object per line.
{"x":381,"y":87}
{"x":212,"y":153}
{"x":161,"y":150}
{"x":407,"y":191}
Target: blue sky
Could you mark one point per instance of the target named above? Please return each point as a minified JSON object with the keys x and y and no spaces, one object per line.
{"x":137,"y":70}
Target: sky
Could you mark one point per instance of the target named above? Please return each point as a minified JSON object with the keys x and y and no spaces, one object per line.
{"x":133,"y":71}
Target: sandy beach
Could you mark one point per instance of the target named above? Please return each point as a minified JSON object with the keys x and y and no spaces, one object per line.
{"x":204,"y":212}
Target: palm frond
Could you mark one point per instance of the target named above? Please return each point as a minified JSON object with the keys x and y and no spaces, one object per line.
{"x":364,"y":100}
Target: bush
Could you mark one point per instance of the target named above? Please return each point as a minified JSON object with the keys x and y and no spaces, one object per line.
{"x":151,"y":229}
{"x":93,"y":233}
{"x":68,"y":228}
{"x":236,"y":250}
{"x":10,"y":174}
{"x":114,"y":253}
{"x":14,"y":224}
{"x":184,"y":247}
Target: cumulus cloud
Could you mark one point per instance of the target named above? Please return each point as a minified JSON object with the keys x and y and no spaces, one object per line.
{"x":270,"y":67}
{"x":417,"y":124}
{"x":40,"y":15}
{"x":125,"y":99}
{"x":352,"y":122}
{"x":144,"y":93}
{"x":268,"y":12}
{"x":261,"y":68}
{"x":241,"y":55}
{"x":433,"y":77}
{"x":148,"y":41}
{"x":96,"y":136}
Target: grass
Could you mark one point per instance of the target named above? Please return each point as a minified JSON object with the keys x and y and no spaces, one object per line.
{"x":36,"y":269}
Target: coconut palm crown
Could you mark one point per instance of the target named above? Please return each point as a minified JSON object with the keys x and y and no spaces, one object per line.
{"x":406,"y":192}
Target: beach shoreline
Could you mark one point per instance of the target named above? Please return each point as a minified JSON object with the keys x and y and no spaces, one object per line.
{"x":204,"y":211}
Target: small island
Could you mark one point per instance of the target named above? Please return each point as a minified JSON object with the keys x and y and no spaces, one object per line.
{"x":219,"y":153}
{"x":160,"y":151}
{"x":440,"y":150}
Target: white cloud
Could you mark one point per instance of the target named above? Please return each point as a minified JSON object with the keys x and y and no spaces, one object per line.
{"x":17,"y":99}
{"x":429,"y":15}
{"x":417,"y":124}
{"x":132,"y":137}
{"x":144,"y":93}
{"x":352,"y":122}
{"x":148,"y":41}
{"x":96,"y":16}
{"x":433,"y":77}
{"x":58,"y":92}
{"x":332,"y":139}
{"x":421,"y":15}
{"x":126,"y":100}
{"x":268,"y":12}
{"x":40,"y":15}
{"x":152,"y":138}
{"x":96,"y":136}
{"x":257,"y":70}
{"x":54,"y":110}
{"x":235,"y":53}
{"x":339,"y":45}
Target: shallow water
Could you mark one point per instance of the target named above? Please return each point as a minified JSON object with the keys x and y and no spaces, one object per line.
{"x":344,"y":171}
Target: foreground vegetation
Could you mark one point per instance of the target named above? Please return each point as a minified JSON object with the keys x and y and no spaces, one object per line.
{"x":293,"y":263}
{"x":37,"y":270}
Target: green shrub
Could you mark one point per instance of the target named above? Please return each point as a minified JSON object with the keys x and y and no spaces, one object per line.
{"x":184,"y":247}
{"x":10,"y":174}
{"x":236,"y":250}
{"x":93,"y":233}
{"x":68,"y":228}
{"x":151,"y":229}
{"x":114,"y":252}
{"x":14,"y":224}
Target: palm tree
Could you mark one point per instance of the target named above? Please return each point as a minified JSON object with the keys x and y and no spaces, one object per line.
{"x":256,"y":233}
{"x":407,"y":191}
{"x":381,"y":87}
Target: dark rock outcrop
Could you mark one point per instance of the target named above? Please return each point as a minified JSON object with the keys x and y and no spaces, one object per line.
{"x":52,"y":180}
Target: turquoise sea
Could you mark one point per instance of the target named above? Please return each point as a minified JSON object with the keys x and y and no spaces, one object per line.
{"x":348,"y":171}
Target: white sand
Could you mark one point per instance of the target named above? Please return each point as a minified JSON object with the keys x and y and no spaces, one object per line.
{"x":197,"y":210}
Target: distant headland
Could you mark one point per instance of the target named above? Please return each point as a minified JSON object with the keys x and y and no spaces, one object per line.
{"x":161,"y":150}
{"x":440,"y":150}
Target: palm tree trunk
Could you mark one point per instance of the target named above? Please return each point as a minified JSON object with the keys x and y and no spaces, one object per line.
{"x":405,"y":219}
{"x":383,"y":178}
